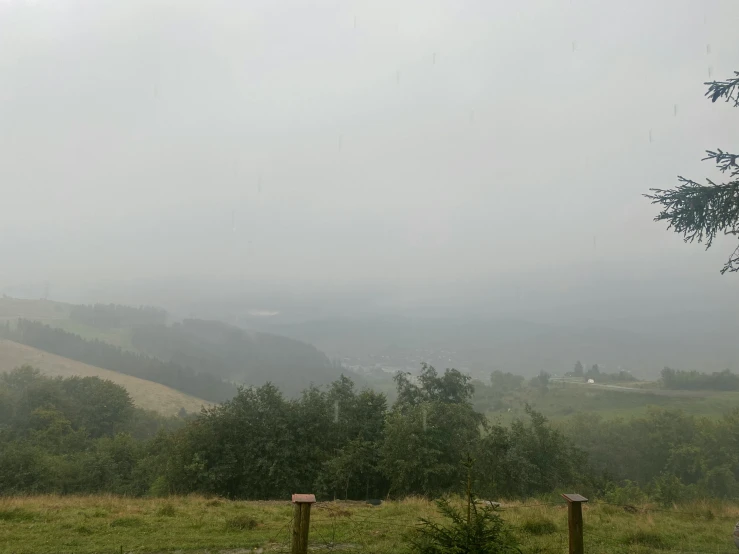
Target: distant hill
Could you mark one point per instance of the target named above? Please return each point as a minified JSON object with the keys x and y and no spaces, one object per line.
{"x":13,"y":308}
{"x":145,"y":394}
{"x":518,"y":346}
{"x":197,"y":347}
{"x":237,"y":355}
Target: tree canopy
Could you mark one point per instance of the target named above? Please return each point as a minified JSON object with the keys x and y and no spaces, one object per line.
{"x":703,"y":211}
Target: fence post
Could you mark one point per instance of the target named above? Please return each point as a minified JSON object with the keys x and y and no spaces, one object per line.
{"x":301,"y":522}
{"x":574,"y":521}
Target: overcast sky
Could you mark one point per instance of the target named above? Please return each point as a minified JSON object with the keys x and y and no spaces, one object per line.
{"x":423,"y":148}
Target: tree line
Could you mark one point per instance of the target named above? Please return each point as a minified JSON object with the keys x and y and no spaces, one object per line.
{"x":694,"y":380}
{"x":84,"y":436}
{"x":338,"y":441}
{"x":114,"y":358}
{"x":599,"y":376}
{"x":110,"y":316}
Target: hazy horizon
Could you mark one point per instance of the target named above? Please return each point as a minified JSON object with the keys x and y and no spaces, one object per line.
{"x":444,"y":157}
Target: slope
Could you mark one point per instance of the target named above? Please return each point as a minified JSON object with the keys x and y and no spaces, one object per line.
{"x":234,"y":354}
{"x":203,"y":358}
{"x":145,"y":394}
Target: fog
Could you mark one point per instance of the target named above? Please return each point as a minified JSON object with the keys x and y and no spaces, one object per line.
{"x":332,"y":158}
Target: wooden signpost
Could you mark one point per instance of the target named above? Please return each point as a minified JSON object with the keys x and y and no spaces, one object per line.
{"x":301,"y":522}
{"x":574,"y":520}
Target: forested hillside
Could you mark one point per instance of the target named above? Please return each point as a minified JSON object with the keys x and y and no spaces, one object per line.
{"x":233,"y":354}
{"x":101,"y":354}
{"x":107,"y":316}
{"x":201,"y":358}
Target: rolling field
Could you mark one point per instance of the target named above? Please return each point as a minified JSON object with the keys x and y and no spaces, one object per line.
{"x":145,"y":394}
{"x":53,"y":524}
{"x":13,"y":308}
{"x":56,"y":314}
{"x":565,"y":399}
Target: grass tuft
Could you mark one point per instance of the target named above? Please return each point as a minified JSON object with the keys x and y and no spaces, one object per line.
{"x":167,"y":510}
{"x":539,"y":526}
{"x":241,"y":523}
{"x":16,"y":514}
{"x":127,"y":522}
{"x":650,"y":539}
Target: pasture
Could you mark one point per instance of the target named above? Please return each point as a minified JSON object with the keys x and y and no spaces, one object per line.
{"x":193,"y":524}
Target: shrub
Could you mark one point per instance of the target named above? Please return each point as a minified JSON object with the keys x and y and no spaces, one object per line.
{"x":484,"y":533}
{"x":627,"y":494}
{"x":668,"y":489}
{"x":159,"y":487}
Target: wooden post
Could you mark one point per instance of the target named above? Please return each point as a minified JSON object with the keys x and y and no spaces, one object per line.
{"x":574,"y":521}
{"x":301,"y":522}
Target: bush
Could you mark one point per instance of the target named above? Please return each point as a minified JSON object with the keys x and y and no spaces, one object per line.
{"x":627,"y":494}
{"x":485,"y":533}
{"x":159,"y":487}
{"x":669,"y":489}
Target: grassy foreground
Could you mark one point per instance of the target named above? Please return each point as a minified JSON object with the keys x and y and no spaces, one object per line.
{"x":53,"y":524}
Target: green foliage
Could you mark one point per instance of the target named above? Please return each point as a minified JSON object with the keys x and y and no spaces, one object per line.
{"x":429,"y":425}
{"x":526,"y":459}
{"x":673,"y":456}
{"x":420,"y":452}
{"x":81,"y":436}
{"x":453,"y":387}
{"x":693,"y":380}
{"x":618,"y":377}
{"x":629,"y":493}
{"x":232,"y":354}
{"x":483,"y":532}
{"x":492,"y":396}
{"x":541,"y":381}
{"x":702,"y":212}
{"x":70,"y":436}
{"x":104,"y":355}
{"x":593,"y":373}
